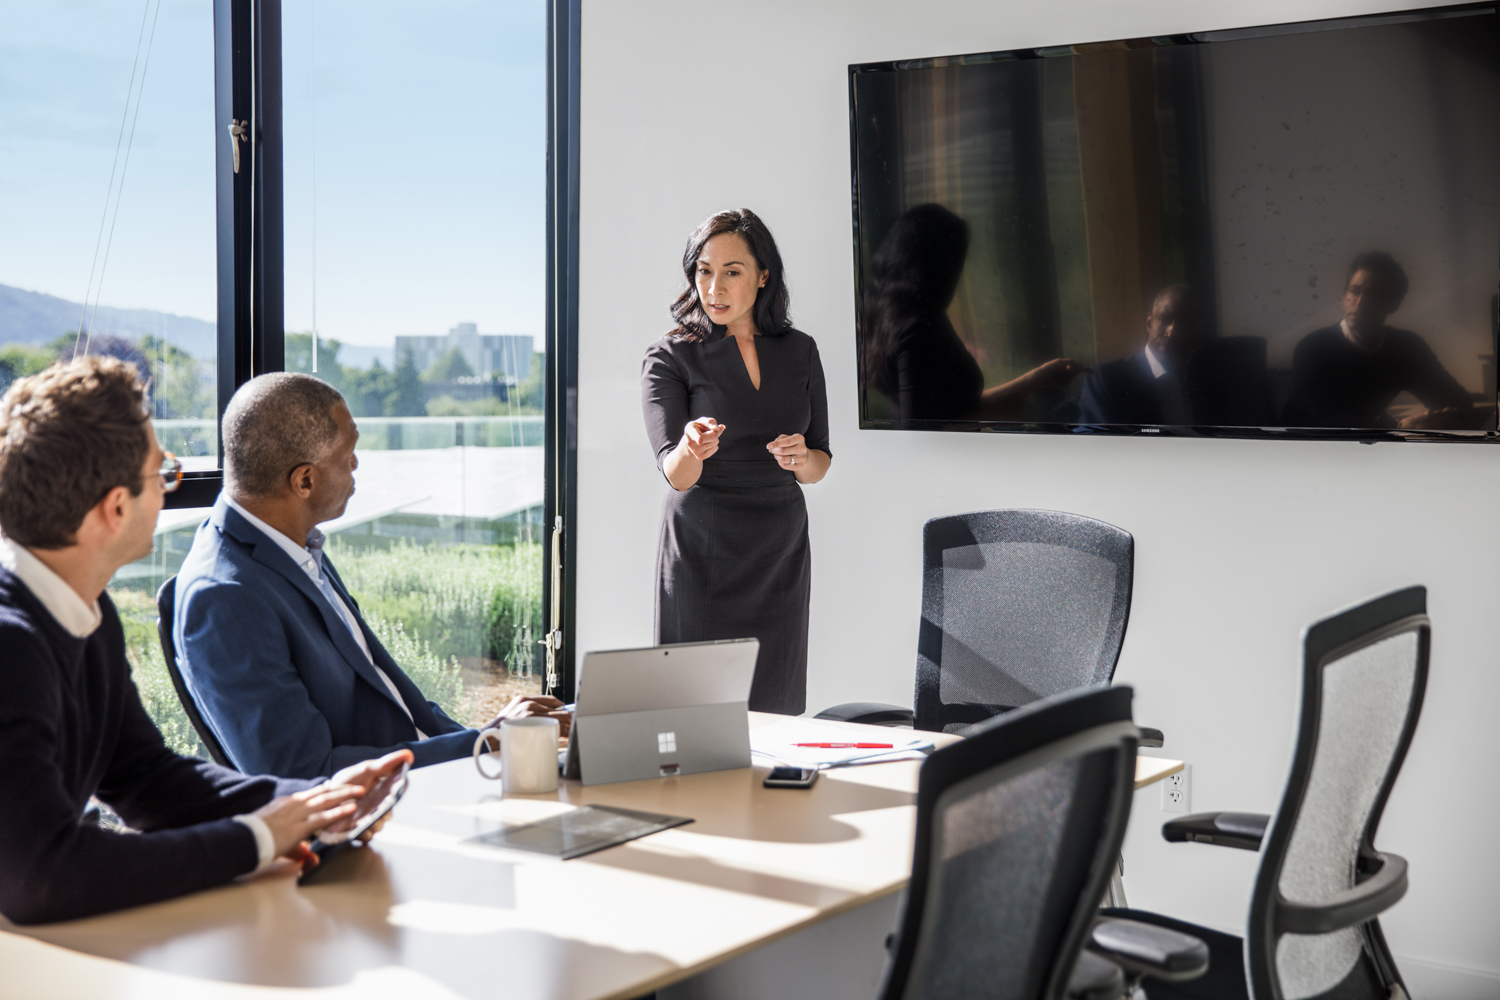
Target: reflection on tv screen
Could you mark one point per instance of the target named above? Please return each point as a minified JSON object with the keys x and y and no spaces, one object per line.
{"x":1292,"y":230}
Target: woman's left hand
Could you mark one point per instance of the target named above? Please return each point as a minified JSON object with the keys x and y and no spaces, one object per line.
{"x":790,"y":451}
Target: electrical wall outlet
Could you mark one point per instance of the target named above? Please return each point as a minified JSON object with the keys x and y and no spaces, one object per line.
{"x":1177,"y":791}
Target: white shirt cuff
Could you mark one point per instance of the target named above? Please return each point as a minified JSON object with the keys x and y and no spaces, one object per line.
{"x":265,"y":843}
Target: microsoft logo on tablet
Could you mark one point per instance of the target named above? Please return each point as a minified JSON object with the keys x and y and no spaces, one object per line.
{"x":666,"y":742}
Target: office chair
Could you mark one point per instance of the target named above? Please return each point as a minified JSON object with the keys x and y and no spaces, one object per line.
{"x":1018,"y":827}
{"x":1312,"y":930}
{"x":166,"y":600}
{"x":1017,"y":605}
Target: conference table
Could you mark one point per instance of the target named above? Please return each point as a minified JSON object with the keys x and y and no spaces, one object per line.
{"x":422,"y":913}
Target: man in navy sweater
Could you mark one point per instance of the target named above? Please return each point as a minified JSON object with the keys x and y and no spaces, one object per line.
{"x":82,"y":479}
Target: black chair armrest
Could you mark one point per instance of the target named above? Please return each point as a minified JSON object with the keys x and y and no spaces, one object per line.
{"x":1095,"y":978}
{"x":1148,"y":950}
{"x":1365,"y":901}
{"x":1243,"y":830}
{"x":1151,"y":737}
{"x":871,"y":713}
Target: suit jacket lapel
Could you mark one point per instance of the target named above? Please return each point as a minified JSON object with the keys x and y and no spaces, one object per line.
{"x":269,"y":554}
{"x":416,"y":702}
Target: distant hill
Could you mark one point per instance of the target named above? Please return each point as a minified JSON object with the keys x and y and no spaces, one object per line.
{"x":37,"y":318}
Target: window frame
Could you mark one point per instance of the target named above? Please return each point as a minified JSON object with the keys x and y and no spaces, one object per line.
{"x":561,"y":382}
{"x":250,"y":241}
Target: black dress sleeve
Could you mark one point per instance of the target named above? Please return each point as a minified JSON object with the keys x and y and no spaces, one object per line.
{"x":817,"y":395}
{"x":664,"y":399}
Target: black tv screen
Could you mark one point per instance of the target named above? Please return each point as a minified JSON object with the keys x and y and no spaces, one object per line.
{"x":1290,"y":231}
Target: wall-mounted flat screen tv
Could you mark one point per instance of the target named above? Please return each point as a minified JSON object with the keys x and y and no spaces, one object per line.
{"x":1286,"y":231}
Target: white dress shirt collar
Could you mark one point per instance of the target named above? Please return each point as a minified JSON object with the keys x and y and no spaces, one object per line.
{"x":1351,"y":338}
{"x":297,"y":550}
{"x":60,"y":600}
{"x":1157,"y":368}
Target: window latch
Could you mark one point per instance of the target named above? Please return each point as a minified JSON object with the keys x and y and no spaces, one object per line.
{"x":239,"y":131}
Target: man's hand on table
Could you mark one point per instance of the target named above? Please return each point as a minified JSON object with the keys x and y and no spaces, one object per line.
{"x":539,"y":705}
{"x":295,"y":819}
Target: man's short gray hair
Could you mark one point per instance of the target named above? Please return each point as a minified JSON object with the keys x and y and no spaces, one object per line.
{"x":273,"y":424}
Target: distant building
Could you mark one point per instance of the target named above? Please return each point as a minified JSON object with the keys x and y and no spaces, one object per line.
{"x":505,"y":355}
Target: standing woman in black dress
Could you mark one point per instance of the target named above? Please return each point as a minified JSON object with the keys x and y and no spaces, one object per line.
{"x":738,"y":416}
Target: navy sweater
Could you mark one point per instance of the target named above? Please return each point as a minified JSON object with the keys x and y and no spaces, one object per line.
{"x":72,"y":726}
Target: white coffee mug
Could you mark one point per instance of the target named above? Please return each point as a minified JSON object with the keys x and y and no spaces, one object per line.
{"x":528,"y":755}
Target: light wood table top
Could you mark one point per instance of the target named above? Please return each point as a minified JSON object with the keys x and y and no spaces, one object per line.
{"x":422,"y":914}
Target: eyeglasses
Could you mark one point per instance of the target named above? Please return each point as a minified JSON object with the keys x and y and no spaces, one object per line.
{"x":170,"y":472}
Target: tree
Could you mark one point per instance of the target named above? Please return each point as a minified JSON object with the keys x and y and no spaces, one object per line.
{"x":299,"y":359}
{"x":450,"y":366}
{"x":22,"y":360}
{"x":178,"y":380}
{"x":407,"y":398}
{"x":367,"y":391}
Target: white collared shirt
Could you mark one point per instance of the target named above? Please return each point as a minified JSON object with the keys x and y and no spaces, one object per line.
{"x":81,"y":620}
{"x":1157,"y":368}
{"x":1351,"y":338}
{"x":61,"y":600}
{"x":314,"y":570}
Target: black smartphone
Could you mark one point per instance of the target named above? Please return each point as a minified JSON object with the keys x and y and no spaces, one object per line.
{"x":791,"y":777}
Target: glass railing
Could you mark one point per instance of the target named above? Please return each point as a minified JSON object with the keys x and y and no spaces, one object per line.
{"x":196,"y":440}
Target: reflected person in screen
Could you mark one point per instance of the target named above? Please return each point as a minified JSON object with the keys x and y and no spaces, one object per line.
{"x":1347,"y":375}
{"x":737,"y":414}
{"x":913,"y":356}
{"x":82,"y":479}
{"x":272,"y":645}
{"x":1151,"y":386}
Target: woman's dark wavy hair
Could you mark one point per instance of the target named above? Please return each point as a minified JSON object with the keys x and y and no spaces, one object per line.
{"x":772,"y":309}
{"x":913,"y":276}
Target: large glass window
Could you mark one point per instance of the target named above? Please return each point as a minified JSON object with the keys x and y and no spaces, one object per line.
{"x":107,"y":211}
{"x":415,"y":252}
{"x":415,"y":200}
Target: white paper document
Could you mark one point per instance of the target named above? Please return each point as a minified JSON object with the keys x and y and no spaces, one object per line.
{"x":778,"y":743}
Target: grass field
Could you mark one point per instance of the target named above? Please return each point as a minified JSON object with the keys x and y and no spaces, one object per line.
{"x":428,"y":605}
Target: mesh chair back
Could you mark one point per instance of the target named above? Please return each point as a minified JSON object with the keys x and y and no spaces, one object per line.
{"x":166,"y":602}
{"x":1017,"y":829}
{"x":1365,"y":672}
{"x":1017,"y":605}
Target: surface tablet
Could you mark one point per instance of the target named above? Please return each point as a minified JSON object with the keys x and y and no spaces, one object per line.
{"x":580,"y":831}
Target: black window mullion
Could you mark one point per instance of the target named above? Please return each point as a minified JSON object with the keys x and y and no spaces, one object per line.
{"x":267,"y":323}
{"x":561,"y":386}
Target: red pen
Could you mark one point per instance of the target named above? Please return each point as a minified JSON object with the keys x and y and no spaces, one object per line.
{"x":848,"y":746}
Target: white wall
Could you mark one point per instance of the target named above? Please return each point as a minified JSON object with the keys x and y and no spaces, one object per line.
{"x":689,"y":108}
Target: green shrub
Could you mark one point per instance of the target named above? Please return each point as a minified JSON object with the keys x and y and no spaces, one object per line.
{"x":148,"y":668}
{"x":425,"y":603}
{"x":438,"y":679}
{"x":465,"y":600}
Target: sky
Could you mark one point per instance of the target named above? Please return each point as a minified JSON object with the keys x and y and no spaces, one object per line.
{"x":414,"y":160}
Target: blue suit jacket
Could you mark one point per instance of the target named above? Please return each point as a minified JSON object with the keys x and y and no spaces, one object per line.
{"x":1122,"y":391}
{"x":276,"y":672}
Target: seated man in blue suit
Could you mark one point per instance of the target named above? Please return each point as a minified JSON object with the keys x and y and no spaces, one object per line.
{"x":282,"y":665}
{"x":1149,"y":387}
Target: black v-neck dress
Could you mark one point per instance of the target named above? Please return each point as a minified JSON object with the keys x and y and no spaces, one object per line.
{"x":733,"y":559}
